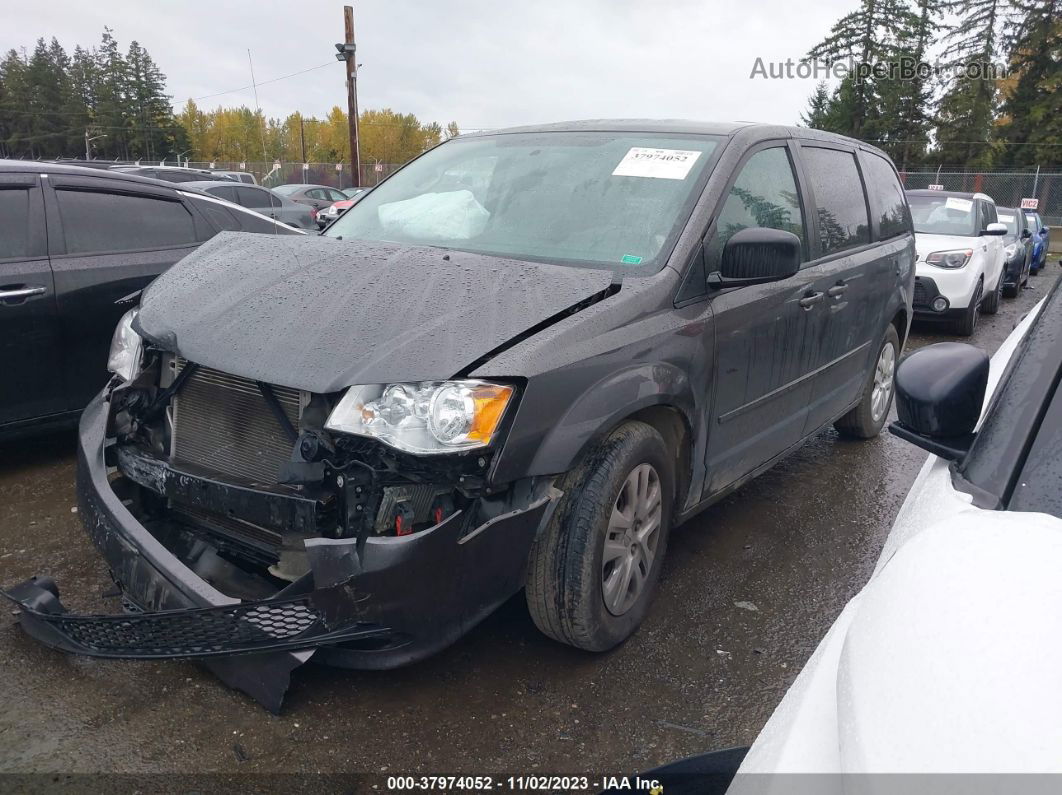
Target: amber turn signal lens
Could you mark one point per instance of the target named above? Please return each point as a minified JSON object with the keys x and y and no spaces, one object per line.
{"x":490,"y":401}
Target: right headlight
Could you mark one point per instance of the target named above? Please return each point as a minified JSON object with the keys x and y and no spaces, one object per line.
{"x":956,"y":258}
{"x":425,"y":417}
{"x":126,"y":349}
{"x":1010,"y":251}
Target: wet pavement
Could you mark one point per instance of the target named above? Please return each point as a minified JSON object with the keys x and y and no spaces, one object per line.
{"x":749,"y":588}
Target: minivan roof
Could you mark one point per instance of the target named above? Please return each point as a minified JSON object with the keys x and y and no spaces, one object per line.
{"x":751,"y":132}
{"x":41,"y":167}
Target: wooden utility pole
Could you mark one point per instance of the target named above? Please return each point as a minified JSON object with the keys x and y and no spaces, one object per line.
{"x":348,"y":53}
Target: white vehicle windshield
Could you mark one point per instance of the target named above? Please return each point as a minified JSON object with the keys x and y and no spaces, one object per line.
{"x":943,"y":215}
{"x":616,"y":200}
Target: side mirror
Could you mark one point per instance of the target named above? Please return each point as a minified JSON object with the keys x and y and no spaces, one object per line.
{"x":995,"y":228}
{"x":1045,"y":231}
{"x":940,"y":390}
{"x":756,"y":256}
{"x":1025,"y":234}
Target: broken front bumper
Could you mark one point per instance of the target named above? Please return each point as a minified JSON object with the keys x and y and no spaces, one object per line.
{"x":387,"y":602}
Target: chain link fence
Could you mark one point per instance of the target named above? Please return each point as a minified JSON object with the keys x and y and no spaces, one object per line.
{"x":1006,"y":188}
{"x":271,"y":174}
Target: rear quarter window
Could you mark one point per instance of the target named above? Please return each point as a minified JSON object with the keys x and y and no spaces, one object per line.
{"x":840,"y":205}
{"x":886,"y":197}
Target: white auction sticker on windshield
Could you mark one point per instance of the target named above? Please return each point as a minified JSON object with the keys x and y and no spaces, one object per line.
{"x":641,"y":161}
{"x":954,"y":203}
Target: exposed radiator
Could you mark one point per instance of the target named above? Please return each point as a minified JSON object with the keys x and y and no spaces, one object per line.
{"x":222,"y":423}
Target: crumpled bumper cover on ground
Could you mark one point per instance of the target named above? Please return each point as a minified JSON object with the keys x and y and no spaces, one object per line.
{"x":383,"y":603}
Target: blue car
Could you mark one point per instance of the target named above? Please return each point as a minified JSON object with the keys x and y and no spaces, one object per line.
{"x":1041,"y":236}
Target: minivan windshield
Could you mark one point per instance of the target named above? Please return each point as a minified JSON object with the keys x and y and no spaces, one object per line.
{"x":943,"y":215}
{"x":599,"y":199}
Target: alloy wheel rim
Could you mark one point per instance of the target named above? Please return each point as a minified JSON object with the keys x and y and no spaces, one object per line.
{"x":884,"y":372}
{"x":631,"y":539}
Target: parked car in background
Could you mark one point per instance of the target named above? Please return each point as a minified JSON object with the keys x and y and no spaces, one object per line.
{"x":1017,"y":249}
{"x":168,"y":173}
{"x":239,"y":176}
{"x":316,"y":196}
{"x":279,"y":208}
{"x":73,"y":241}
{"x":960,"y":257}
{"x":945,"y":662}
{"x":333,"y":211}
{"x":396,"y":426}
{"x":350,"y":193}
{"x":1041,"y":236}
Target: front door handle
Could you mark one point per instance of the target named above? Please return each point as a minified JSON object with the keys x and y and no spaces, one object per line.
{"x":837,"y":290}
{"x":810,"y":300}
{"x":21,"y":292}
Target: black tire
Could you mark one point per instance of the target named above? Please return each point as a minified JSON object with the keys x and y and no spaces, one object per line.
{"x":860,"y":423}
{"x":965,"y":326}
{"x":990,"y":305}
{"x":565,"y":581}
{"x":1010,"y":291}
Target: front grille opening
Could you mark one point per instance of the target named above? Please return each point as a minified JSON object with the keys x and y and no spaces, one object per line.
{"x":223,"y":424}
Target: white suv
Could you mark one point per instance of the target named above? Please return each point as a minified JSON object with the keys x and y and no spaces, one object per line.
{"x":960,"y":256}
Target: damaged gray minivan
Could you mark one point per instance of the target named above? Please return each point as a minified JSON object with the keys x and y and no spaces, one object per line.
{"x":516,"y":363}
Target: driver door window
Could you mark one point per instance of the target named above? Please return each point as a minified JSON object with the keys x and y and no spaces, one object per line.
{"x":764,"y":195}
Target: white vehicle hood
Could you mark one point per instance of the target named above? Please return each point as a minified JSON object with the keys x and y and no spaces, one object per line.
{"x":946,"y":661}
{"x":926,"y":244}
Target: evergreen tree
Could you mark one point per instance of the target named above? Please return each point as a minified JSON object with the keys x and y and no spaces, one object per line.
{"x":1031,"y":117}
{"x":15,"y":97}
{"x":817,"y":114}
{"x":865,"y":37}
{"x":966,"y":112}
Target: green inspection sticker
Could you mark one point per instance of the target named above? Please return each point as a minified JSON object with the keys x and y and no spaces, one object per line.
{"x":630,"y":259}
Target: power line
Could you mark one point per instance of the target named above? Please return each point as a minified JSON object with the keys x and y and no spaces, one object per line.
{"x":261,"y":82}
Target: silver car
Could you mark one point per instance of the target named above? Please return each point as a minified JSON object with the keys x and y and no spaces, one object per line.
{"x":262,"y":200}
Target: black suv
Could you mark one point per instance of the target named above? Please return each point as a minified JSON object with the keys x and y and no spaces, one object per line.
{"x":73,"y":242}
{"x":520,"y":360}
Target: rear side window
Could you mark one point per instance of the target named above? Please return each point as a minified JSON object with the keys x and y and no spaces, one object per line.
{"x":252,"y":197}
{"x":887,"y":197}
{"x":226,"y":192}
{"x":841,"y":207}
{"x":14,"y":223}
{"x":94,"y":222}
{"x":764,"y":195}
{"x":247,"y":178}
{"x":219,"y":216}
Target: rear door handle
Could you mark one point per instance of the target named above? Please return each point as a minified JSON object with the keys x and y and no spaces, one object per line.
{"x":810,"y":300}
{"x":837,"y":290}
{"x":21,"y":292}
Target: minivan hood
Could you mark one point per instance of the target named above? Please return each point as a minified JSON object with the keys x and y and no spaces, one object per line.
{"x":321,"y":314}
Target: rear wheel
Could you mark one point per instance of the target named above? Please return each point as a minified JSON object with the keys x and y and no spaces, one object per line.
{"x":866,"y":420}
{"x":594,"y":569}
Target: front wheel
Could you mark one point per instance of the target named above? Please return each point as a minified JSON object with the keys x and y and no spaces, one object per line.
{"x":968,"y":322}
{"x":866,"y":420}
{"x":593,"y":570}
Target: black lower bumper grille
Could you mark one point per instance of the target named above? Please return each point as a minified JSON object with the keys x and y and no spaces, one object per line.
{"x":919,"y":294}
{"x":222,"y":423}
{"x":250,"y":627}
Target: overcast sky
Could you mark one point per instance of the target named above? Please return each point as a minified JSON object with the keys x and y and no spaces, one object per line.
{"x":483,"y":64}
